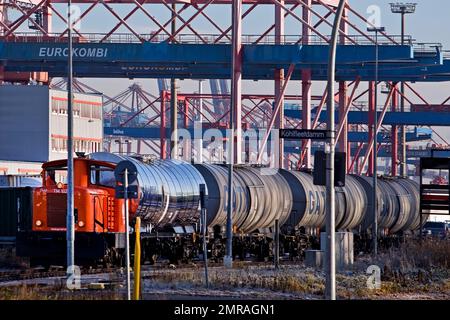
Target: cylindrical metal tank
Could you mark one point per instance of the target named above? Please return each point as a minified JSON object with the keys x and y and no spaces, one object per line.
{"x":309,"y":202}
{"x":386,"y":201}
{"x":398,"y":204}
{"x":308,"y":207}
{"x":414,"y":218}
{"x":351,"y":202}
{"x":259,"y":199}
{"x":216,"y":179}
{"x":168,"y":190}
{"x":405,"y":200}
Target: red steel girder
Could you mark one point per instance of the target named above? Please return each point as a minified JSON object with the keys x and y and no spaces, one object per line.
{"x":276,"y":109}
{"x":333,"y":3}
{"x":377,"y":128}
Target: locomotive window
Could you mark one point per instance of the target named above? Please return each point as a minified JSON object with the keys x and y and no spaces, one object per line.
{"x":54,"y":175}
{"x":103,"y":176}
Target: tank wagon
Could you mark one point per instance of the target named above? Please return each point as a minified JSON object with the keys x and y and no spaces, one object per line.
{"x":168,"y":205}
{"x":169,"y":197}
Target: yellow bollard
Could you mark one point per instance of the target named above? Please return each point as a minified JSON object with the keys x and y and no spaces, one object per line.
{"x":137,"y":260}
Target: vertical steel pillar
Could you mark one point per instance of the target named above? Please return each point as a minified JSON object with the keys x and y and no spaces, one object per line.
{"x":129,"y":145}
{"x":186,"y":149}
{"x":279,"y":78}
{"x":139,"y":146}
{"x":162,"y":132}
{"x":343,"y":144}
{"x":394,"y":138}
{"x":199,"y":125}
{"x":236,"y":81}
{"x":306,"y":85}
{"x":173,"y":101}
{"x":47,"y":15}
{"x":235,"y":138}
{"x":3,"y":19}
{"x":371,"y":124}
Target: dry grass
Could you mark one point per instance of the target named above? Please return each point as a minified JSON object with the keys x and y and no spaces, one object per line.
{"x":413,"y":269}
{"x":430,"y":254}
{"x":287,"y":279}
{"x":36,"y":292}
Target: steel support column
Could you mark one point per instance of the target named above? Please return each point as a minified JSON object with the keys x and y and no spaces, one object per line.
{"x":173,"y":100}
{"x":162,"y":134}
{"x":371,"y":142}
{"x":371,"y":125}
{"x":343,"y":144}
{"x":138,"y":146}
{"x":236,"y":81}
{"x":275,"y":111}
{"x":394,"y":138}
{"x":306,"y":86}
{"x":47,"y":19}
{"x":186,"y":148}
{"x":235,"y":138}
{"x":279,"y":78}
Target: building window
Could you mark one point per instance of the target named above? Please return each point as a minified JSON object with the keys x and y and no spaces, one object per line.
{"x":86,"y":110}
{"x":97,"y":112}
{"x":76,"y":109}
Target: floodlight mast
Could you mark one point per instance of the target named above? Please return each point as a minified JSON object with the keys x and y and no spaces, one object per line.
{"x":403,"y":9}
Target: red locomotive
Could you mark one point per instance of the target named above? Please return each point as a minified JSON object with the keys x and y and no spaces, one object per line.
{"x":99,"y":216}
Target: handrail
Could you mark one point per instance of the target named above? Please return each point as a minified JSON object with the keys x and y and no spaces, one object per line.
{"x":185,"y":38}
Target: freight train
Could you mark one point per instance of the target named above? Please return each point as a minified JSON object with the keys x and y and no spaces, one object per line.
{"x":168,"y":205}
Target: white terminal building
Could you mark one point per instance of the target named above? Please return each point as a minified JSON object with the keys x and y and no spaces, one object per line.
{"x":33,"y":126}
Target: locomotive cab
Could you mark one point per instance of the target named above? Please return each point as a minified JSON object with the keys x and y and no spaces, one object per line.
{"x":95,"y":207}
{"x":99,"y":218}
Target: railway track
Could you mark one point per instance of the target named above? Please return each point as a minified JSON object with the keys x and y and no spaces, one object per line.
{"x":28,"y":274}
{"x":21,"y":274}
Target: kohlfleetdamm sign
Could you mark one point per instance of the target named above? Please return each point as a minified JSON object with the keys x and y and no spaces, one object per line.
{"x":300,"y":134}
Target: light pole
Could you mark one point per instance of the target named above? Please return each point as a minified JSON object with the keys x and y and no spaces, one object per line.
{"x":70,"y":218}
{"x":330,"y":284}
{"x":375,"y":145}
{"x":403,"y":9}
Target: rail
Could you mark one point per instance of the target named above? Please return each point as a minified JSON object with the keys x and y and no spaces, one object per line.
{"x":427,"y":47}
{"x":446,"y":54}
{"x":34,"y":37}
